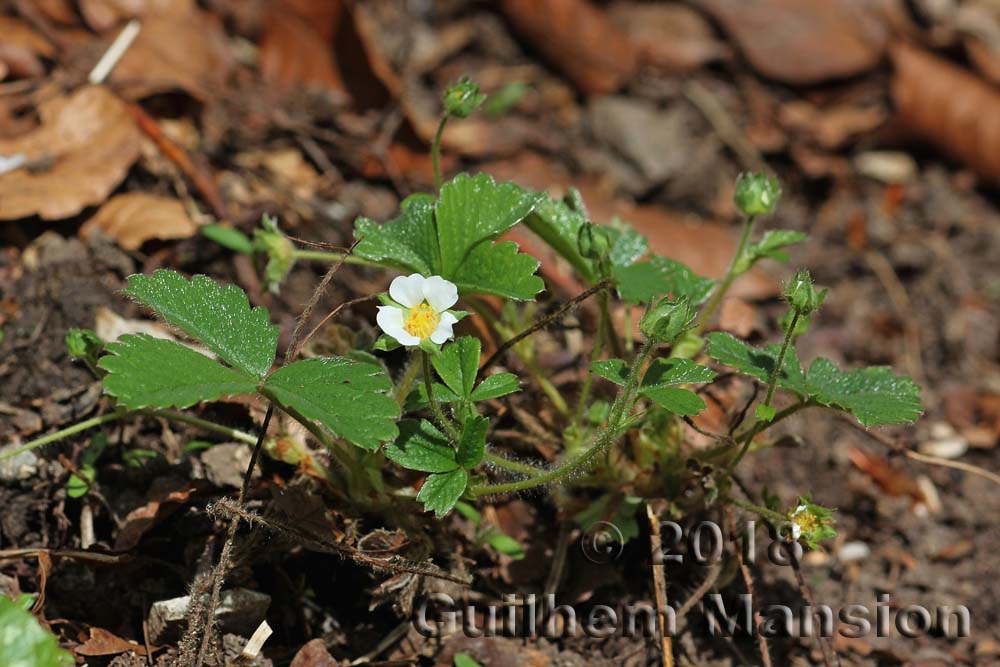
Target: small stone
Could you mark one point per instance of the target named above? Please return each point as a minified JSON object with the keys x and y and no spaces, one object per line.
{"x":891,"y":167}
{"x":226,"y":464}
{"x":240,"y":611}
{"x":853,"y":551}
{"x":18,"y":467}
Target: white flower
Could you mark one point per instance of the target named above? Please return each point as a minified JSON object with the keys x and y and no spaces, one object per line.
{"x":423,"y":315}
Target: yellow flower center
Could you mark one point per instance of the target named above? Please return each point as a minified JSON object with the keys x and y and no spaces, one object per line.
{"x":421,"y":321}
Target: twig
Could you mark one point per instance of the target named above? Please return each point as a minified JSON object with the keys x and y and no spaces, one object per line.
{"x":765,"y":653}
{"x":660,"y":586}
{"x":114,"y":53}
{"x":901,"y":303}
{"x":724,"y":126}
{"x":898,"y":447}
{"x":544,"y":322}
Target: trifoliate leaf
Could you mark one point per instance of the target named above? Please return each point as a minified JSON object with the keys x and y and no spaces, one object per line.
{"x":418,"y":397}
{"x":473,"y":442}
{"x":220,"y":317}
{"x":458,"y":364}
{"x":640,"y":282}
{"x":420,"y":446}
{"x":453,"y":238}
{"x":410,"y":242}
{"x":442,"y":490}
{"x":665,"y":372}
{"x":495,"y":386}
{"x":147,"y":372}
{"x":349,"y":397}
{"x":674,"y":399}
{"x":773,"y":244}
{"x":758,"y":363}
{"x":24,"y":642}
{"x":559,"y":226}
{"x":873,"y":395}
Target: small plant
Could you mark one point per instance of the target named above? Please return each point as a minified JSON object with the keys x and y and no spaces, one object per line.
{"x":371,"y":417}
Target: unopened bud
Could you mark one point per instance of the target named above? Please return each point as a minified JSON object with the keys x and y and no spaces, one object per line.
{"x":756,"y":193}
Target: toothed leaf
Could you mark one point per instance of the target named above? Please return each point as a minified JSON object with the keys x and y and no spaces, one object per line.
{"x":348,"y":397}
{"x":473,"y":442}
{"x":220,"y":317}
{"x":674,"y":399}
{"x":442,"y":490}
{"x":147,"y":372}
{"x":420,"y":446}
{"x":642,"y":281}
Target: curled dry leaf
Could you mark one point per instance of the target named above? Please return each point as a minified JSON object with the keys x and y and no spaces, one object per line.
{"x":103,"y":15}
{"x":102,"y":642}
{"x":946,"y":106}
{"x":21,"y":49}
{"x":803,"y":41}
{"x":85,"y":145}
{"x":134,"y":218}
{"x":577,"y":38}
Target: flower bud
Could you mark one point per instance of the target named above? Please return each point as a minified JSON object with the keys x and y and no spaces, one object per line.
{"x":462,"y":98}
{"x":801,"y":293}
{"x":756,"y":193}
{"x":593,"y":241}
{"x":280,"y":252}
{"x":667,"y":320}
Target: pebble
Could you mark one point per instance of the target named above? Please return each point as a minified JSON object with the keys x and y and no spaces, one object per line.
{"x":19,"y":467}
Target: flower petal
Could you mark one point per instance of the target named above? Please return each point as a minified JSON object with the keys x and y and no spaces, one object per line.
{"x":390,"y":320}
{"x":407,"y":290}
{"x":439,"y":293}
{"x":443,"y":331}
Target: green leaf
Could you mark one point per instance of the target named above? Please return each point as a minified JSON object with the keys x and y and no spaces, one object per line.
{"x":464,"y":660}
{"x":472,"y":209}
{"x":220,"y":317}
{"x":442,"y":490}
{"x":24,"y":642}
{"x":228,"y":237}
{"x":559,"y":226}
{"x":676,"y":371}
{"x":409,"y":242}
{"x":615,"y":370}
{"x":473,"y":442}
{"x":349,"y":397}
{"x":458,"y":364}
{"x":758,"y":363}
{"x":498,"y":269}
{"x":78,"y":485}
{"x":420,"y":446}
{"x":873,"y":395}
{"x":505,"y":544}
{"x":628,"y":246}
{"x":773,"y":244}
{"x":453,"y":238}
{"x":765,"y":412}
{"x":640,"y":282}
{"x":495,"y":386}
{"x":147,"y":372}
{"x":674,"y":399}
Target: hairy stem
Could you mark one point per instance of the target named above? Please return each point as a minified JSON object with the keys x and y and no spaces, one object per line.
{"x":439,"y":414}
{"x":759,"y":510}
{"x":772,"y":381}
{"x":616,"y":426}
{"x":436,"y":152}
{"x":79,"y":427}
{"x":512,"y":466}
{"x":406,"y":382}
{"x":731,"y":274}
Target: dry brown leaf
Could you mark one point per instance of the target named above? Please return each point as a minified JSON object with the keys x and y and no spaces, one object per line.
{"x":175,"y":51}
{"x":14,"y":32}
{"x":834,"y":126}
{"x":102,"y":642}
{"x":60,"y":11}
{"x":314,"y":654}
{"x":948,"y":107}
{"x":297,"y":44}
{"x":578,"y":38}
{"x":803,"y":41}
{"x":134,"y":218}
{"x":143,"y":519}
{"x":673,"y":37}
{"x":85,"y":145}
